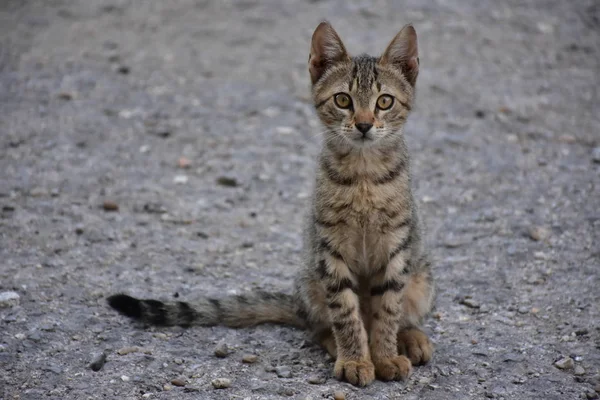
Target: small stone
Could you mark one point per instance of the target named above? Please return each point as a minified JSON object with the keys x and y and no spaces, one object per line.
{"x":20,"y":336}
{"x":34,"y":336}
{"x":53,"y":368}
{"x":339,"y":395}
{"x":66,"y":96}
{"x":582,"y":332}
{"x":227,"y":181}
{"x":283,"y":391}
{"x":167,"y":387}
{"x":9,"y":299}
{"x":566,"y":138}
{"x":221,"y":383}
{"x":249,"y":358}
{"x":178,"y":361}
{"x":564,"y":363}
{"x":469,"y":303}
{"x":154,"y":208}
{"x":596,"y":155}
{"x":98,"y":362}
{"x":109,"y":205}
{"x":222,"y":350}
{"x":271,"y":112}
{"x":180,"y":179}
{"x":316,"y":379}
{"x":579,"y":370}
{"x":283,"y":371}
{"x":128,"y":350}
{"x":479,"y":113}
{"x":284,"y":130}
{"x":184,"y":163}
{"x":592,"y":395}
{"x":523,"y":310}
{"x":538,"y":233}
{"x":38,"y":192}
{"x":124,"y":378}
{"x":123,"y":69}
{"x":178,"y":382}
{"x":79,"y":229}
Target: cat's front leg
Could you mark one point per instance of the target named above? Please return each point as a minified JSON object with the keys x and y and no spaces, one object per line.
{"x":386,"y":304}
{"x":353,"y":362}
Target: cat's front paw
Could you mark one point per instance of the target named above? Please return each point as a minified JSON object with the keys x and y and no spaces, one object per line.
{"x":358,"y":373}
{"x":393,"y":369}
{"x":415,"y":344}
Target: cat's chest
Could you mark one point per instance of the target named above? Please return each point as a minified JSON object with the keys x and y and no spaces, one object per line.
{"x":365,"y":209}
{"x":365,"y":205}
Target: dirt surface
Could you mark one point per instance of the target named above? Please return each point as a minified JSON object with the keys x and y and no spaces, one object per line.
{"x":100,"y":99}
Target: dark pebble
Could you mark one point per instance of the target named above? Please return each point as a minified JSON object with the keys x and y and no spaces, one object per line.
{"x":178,"y":382}
{"x":123,"y":69}
{"x":98,"y":362}
{"x":65,"y":96}
{"x":227,"y":181}
{"x":109,"y":205}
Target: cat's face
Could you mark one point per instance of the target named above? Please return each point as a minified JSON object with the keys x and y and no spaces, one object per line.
{"x":362,"y":101}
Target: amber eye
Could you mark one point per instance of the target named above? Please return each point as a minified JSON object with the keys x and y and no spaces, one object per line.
{"x":342,"y":100}
{"x":384,"y":102}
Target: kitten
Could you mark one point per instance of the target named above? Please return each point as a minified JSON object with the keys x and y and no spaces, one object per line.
{"x":366,"y":285}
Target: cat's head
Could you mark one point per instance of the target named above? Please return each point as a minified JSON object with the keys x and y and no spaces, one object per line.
{"x":363,"y":101}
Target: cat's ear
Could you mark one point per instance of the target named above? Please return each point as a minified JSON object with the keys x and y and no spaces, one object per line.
{"x":403,"y":53}
{"x":326,"y":49}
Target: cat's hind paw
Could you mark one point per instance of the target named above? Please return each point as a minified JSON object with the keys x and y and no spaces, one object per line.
{"x":414,"y":344}
{"x":393,"y":369}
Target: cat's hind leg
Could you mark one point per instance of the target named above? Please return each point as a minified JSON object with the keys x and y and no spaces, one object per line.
{"x":417,"y":302}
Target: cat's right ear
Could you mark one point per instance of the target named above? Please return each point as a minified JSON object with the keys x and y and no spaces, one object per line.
{"x":326,"y":49}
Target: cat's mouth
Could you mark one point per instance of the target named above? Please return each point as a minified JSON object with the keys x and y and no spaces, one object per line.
{"x":364,"y":138}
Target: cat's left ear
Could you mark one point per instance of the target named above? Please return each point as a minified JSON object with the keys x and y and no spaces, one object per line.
{"x":403,"y":53}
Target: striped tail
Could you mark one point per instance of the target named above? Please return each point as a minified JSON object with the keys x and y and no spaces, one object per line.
{"x":236,"y":311}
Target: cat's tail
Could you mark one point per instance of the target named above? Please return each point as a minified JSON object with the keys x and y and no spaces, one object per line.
{"x":235,"y":311}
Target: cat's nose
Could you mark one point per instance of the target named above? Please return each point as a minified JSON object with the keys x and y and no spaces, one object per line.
{"x":364,"y":127}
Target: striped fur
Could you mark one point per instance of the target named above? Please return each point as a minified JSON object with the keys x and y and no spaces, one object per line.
{"x":366,"y":285}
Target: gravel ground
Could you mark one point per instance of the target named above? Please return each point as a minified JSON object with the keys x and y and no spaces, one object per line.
{"x":100,"y":100}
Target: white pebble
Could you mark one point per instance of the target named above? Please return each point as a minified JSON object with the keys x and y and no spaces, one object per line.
{"x":284,"y":130}
{"x":180,"y":179}
{"x":221,"y":383}
{"x":124,"y":378}
{"x":9,"y":299}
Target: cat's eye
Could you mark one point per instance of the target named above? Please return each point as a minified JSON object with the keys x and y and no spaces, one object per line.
{"x":385,"y":101}
{"x":342,"y":100}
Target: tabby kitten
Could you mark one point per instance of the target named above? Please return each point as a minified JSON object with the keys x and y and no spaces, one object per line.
{"x":366,"y":285}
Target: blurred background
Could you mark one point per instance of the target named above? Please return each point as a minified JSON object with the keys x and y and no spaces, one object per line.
{"x":167,"y":148}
